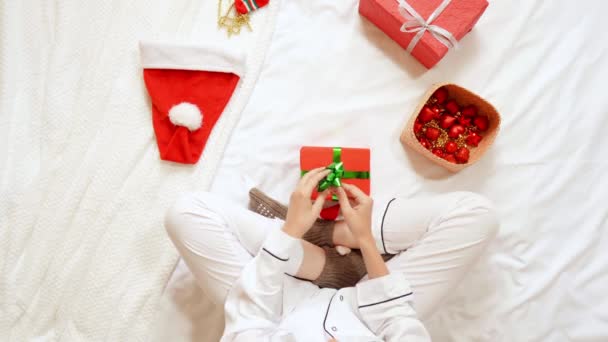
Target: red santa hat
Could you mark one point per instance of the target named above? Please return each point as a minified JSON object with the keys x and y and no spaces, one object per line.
{"x":189,"y":87}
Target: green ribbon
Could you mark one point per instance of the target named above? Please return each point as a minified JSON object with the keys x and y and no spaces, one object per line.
{"x":334,"y":178}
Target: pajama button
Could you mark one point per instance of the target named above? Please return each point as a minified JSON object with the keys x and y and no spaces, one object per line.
{"x":341,"y":298}
{"x":334,"y":329}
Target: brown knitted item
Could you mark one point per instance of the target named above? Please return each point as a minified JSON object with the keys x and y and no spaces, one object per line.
{"x":264,"y":205}
{"x":341,"y":270}
{"x":319,"y":234}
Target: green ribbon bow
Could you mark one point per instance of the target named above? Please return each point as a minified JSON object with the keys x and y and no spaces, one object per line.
{"x":334,"y":178}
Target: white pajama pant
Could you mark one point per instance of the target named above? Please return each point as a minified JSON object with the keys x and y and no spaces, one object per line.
{"x":437,"y":239}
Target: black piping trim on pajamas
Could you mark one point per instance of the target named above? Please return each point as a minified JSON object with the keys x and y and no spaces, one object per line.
{"x":326,"y":313}
{"x":302,"y":279}
{"x":382,"y":226}
{"x":386,"y":301}
{"x":276,"y":257}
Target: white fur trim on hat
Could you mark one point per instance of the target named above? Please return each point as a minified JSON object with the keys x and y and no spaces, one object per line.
{"x":207,"y":57}
{"x":186,"y":114}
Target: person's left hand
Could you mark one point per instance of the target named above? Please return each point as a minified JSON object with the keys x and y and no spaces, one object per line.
{"x":302,"y":212}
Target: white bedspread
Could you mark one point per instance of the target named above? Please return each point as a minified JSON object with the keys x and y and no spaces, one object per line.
{"x":332,"y":78}
{"x":83,"y":255}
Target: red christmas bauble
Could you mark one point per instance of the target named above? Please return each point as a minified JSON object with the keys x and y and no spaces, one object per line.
{"x":473,"y":139}
{"x":438,"y":152}
{"x":481,"y":122}
{"x":446,"y":121}
{"x":450,"y":158}
{"x":330,"y":213}
{"x":425,"y":143}
{"x":469,"y":110}
{"x":426,"y":114}
{"x":436,"y":110}
{"x":417,"y":126}
{"x":450,"y":147}
{"x":462,"y":155}
{"x":441,"y":95}
{"x":452,"y":106}
{"x":455,"y":131}
{"x":464,"y":120}
{"x":432,"y":133}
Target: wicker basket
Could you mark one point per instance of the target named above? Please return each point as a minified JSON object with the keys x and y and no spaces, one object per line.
{"x":464,"y":98}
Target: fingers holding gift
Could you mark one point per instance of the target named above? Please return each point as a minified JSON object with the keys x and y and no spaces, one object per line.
{"x":358,"y":194}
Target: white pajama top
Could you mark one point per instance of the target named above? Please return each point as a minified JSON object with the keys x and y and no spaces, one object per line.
{"x":267,"y":304}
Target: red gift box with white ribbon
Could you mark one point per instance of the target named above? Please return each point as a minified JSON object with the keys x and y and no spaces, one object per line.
{"x":427,"y":29}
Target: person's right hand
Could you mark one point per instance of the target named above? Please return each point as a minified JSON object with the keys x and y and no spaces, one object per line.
{"x":358,"y":217}
{"x":302,"y":212}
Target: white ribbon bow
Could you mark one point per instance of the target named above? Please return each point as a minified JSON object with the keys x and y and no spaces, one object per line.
{"x":415,"y":23}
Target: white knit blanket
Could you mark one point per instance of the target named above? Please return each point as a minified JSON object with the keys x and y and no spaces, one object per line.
{"x":83,"y":252}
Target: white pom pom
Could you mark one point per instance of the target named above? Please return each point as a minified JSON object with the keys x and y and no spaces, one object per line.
{"x":186,"y":114}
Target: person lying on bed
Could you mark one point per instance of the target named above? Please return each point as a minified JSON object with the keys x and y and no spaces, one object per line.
{"x":261,"y":267}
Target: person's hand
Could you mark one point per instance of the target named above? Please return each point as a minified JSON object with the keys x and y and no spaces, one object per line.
{"x":358,"y":217}
{"x":302,"y":212}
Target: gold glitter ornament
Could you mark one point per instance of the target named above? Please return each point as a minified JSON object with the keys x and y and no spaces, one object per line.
{"x":443,"y":139}
{"x":443,"y":136}
{"x":232,"y":21}
{"x":460,"y":141}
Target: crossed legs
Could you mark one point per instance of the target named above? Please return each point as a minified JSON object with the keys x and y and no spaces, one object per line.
{"x":437,"y":239}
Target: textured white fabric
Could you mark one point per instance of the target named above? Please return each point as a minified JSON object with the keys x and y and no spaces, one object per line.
{"x":83,"y":254}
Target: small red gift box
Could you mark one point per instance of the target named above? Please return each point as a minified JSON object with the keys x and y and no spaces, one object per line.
{"x":355,"y":164}
{"x":438,"y":26}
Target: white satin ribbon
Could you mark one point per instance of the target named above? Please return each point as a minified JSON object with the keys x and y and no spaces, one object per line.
{"x":415,"y":23}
